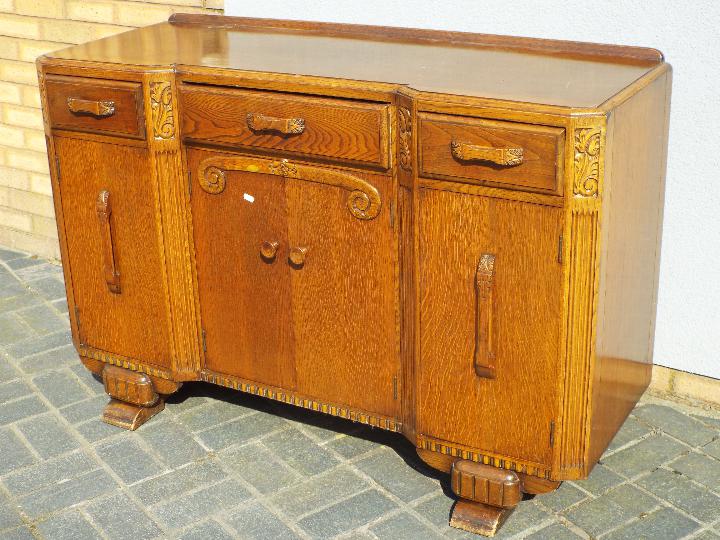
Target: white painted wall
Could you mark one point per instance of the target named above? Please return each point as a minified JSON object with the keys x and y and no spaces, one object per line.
{"x":688,"y":328}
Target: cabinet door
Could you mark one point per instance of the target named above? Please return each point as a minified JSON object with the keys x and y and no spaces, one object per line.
{"x":502,"y":314}
{"x":244,"y":294}
{"x":113,"y":249}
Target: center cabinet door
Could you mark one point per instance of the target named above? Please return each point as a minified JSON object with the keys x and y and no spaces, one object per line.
{"x":320,"y":315}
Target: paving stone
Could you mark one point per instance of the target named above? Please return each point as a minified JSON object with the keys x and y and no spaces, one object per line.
{"x":322,"y":427}
{"x":35,"y":345}
{"x":19,"y":299}
{"x":257,"y":467}
{"x":350,"y":447}
{"x":11,"y":254}
{"x":121,"y":519}
{"x":60,"y":305}
{"x":97,"y":430}
{"x":210,"y":530}
{"x":701,"y":469}
{"x":614,"y":508}
{"x":677,"y":424}
{"x":681,"y":492}
{"x":600,"y":480}
{"x":299,"y":452}
{"x":437,"y":509}
{"x":12,"y":329}
{"x":19,"y":533}
{"x":389,"y":470}
{"x":172,"y":442}
{"x":556,"y":531}
{"x":68,"y":526}
{"x":185,"y":401}
{"x":179,"y":481}
{"x":13,"y":390}
{"x":403,"y":527}
{"x":630,"y":431}
{"x":51,"y":288}
{"x":94,"y":383}
{"x":663,"y":524}
{"x":42,"y":319}
{"x":129,"y":461}
{"x":240,"y":431}
{"x":56,"y":471}
{"x":706,"y":535}
{"x":85,"y":410}
{"x":254,"y":521}
{"x":48,"y":436}
{"x":644,"y":456}
{"x":708,"y":420}
{"x":212,"y":414}
{"x":9,"y":516}
{"x":347,"y":515}
{"x":61,"y":387}
{"x":7,"y":371}
{"x":24,"y":262}
{"x":712,"y":449}
{"x":21,"y":408}
{"x":563,"y":497}
{"x":200,"y":504}
{"x":52,"y":359}
{"x":526,"y":515}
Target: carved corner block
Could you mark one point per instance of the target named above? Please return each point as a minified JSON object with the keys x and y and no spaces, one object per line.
{"x":134,"y":399}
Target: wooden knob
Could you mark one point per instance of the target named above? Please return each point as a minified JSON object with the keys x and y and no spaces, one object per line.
{"x":297,"y":255}
{"x":269,"y":249}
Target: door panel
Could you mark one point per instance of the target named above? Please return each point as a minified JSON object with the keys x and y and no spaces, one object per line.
{"x":510,"y":414}
{"x":244,"y":296}
{"x":132,"y":321}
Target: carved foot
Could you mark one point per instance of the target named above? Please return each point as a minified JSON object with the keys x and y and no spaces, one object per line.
{"x":129,"y":416}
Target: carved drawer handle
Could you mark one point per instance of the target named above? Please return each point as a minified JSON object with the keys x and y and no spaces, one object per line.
{"x":297,"y":256}
{"x":104,"y":210}
{"x":268,"y":250}
{"x":508,"y":157}
{"x":101,"y":109}
{"x":286,"y":126}
{"x":484,"y":355}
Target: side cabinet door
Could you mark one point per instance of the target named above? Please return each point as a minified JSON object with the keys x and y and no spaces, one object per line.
{"x":113,"y":251}
{"x":490,"y":295}
{"x":345,"y":297}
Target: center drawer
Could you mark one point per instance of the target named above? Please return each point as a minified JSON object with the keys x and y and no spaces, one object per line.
{"x":341,"y":129}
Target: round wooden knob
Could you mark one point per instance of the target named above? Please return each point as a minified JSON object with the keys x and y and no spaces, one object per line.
{"x":269,"y":249}
{"x":297,"y":255}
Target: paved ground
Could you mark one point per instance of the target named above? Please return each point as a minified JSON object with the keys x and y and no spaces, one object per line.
{"x":218,"y":464}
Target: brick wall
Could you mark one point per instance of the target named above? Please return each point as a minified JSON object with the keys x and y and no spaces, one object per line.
{"x":29,"y":28}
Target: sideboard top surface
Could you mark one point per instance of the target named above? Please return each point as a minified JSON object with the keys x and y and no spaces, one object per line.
{"x":561,"y":73}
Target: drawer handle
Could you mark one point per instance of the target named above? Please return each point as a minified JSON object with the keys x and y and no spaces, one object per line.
{"x":508,"y":157}
{"x":101,"y":109}
{"x":104,"y":210}
{"x":484,"y":355}
{"x":286,"y":126}
{"x":268,"y":250}
{"x":297,"y":256}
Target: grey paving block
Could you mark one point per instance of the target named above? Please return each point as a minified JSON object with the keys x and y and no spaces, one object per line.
{"x":52,"y":359}
{"x":403,"y":526}
{"x":48,"y":436}
{"x":24,"y":262}
{"x":437,"y":509}
{"x":679,"y":425}
{"x":172,"y":442}
{"x":322,"y":427}
{"x":94,"y":383}
{"x":68,"y":526}
{"x":681,"y":492}
{"x":700,"y":468}
{"x":630,"y":431}
{"x":300,"y":452}
{"x":240,"y":431}
{"x":9,"y":516}
{"x":21,"y":408}
{"x":129,"y":461}
{"x":389,"y":470}
{"x":254,"y":521}
{"x":12,"y":329}
{"x":257,"y":467}
{"x":708,"y":420}
{"x":56,"y":471}
{"x":61,"y":387}
{"x":526,"y":515}
{"x":644,"y":456}
{"x":663,"y":524}
{"x":350,"y":447}
{"x":319,"y":491}
{"x":67,"y":494}
{"x":179,"y":481}
{"x":706,"y":535}
{"x":7,"y":371}
{"x":212,"y":414}
{"x":563,"y":497}
{"x":35,"y":345}
{"x":185,"y":403}
{"x":210,"y":530}
{"x":96,"y":430}
{"x":85,"y":410}
{"x":121,"y":519}
{"x":614,"y":508}
{"x":600,"y":480}
{"x":712,"y":449}
{"x":18,"y":299}
{"x":556,"y":531}
{"x":19,"y":533}
{"x":7,"y":254}
{"x":51,"y":288}
{"x":13,"y":390}
{"x":346,"y":515}
{"x":201,"y":504}
{"x":42,"y":319}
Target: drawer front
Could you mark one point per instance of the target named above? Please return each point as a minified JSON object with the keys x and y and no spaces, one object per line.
{"x":96,"y":106}
{"x":344,"y":130}
{"x":503,"y":154}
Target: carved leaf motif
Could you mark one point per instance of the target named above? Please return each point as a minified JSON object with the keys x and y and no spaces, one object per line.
{"x":405,"y":134}
{"x":283,"y":168}
{"x":162,"y":110}
{"x":587,"y":162}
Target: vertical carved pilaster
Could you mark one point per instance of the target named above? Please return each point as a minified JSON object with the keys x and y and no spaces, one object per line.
{"x":405,"y":138}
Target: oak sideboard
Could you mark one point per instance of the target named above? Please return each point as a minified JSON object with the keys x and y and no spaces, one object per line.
{"x":447,"y":235}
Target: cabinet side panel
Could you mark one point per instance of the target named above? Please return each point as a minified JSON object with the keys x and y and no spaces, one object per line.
{"x":630,"y":249}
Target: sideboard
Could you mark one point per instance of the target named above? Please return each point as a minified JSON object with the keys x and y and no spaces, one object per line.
{"x":447,"y":235}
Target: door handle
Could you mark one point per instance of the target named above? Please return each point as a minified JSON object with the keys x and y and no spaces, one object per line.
{"x":100,"y":109}
{"x":507,"y":157}
{"x":104,"y":211}
{"x":286,"y":126}
{"x":484,"y":285}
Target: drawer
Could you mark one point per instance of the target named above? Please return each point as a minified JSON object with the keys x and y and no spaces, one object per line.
{"x":341,"y":129}
{"x":94,"y":105}
{"x":504,"y":154}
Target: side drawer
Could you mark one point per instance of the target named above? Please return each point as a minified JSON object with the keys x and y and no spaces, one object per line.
{"x":341,"y":129}
{"x":503,"y":154}
{"x":95,"y":105}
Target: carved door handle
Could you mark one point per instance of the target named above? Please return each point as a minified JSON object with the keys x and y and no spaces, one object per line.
{"x":286,"y":126}
{"x":297,"y":255}
{"x":101,"y":109}
{"x":268,"y":250}
{"x":508,"y":157}
{"x":104,"y":210}
{"x":484,"y":355}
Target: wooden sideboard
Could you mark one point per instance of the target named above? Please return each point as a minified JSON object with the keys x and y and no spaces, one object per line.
{"x":451,"y":236}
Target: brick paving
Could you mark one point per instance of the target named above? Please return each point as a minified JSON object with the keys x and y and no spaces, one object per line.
{"x":218,"y":464}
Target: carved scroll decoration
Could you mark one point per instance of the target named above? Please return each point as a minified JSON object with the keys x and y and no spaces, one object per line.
{"x":363,"y":200}
{"x":587,"y":161}
{"x":405,"y":134}
{"x":162,"y":110}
